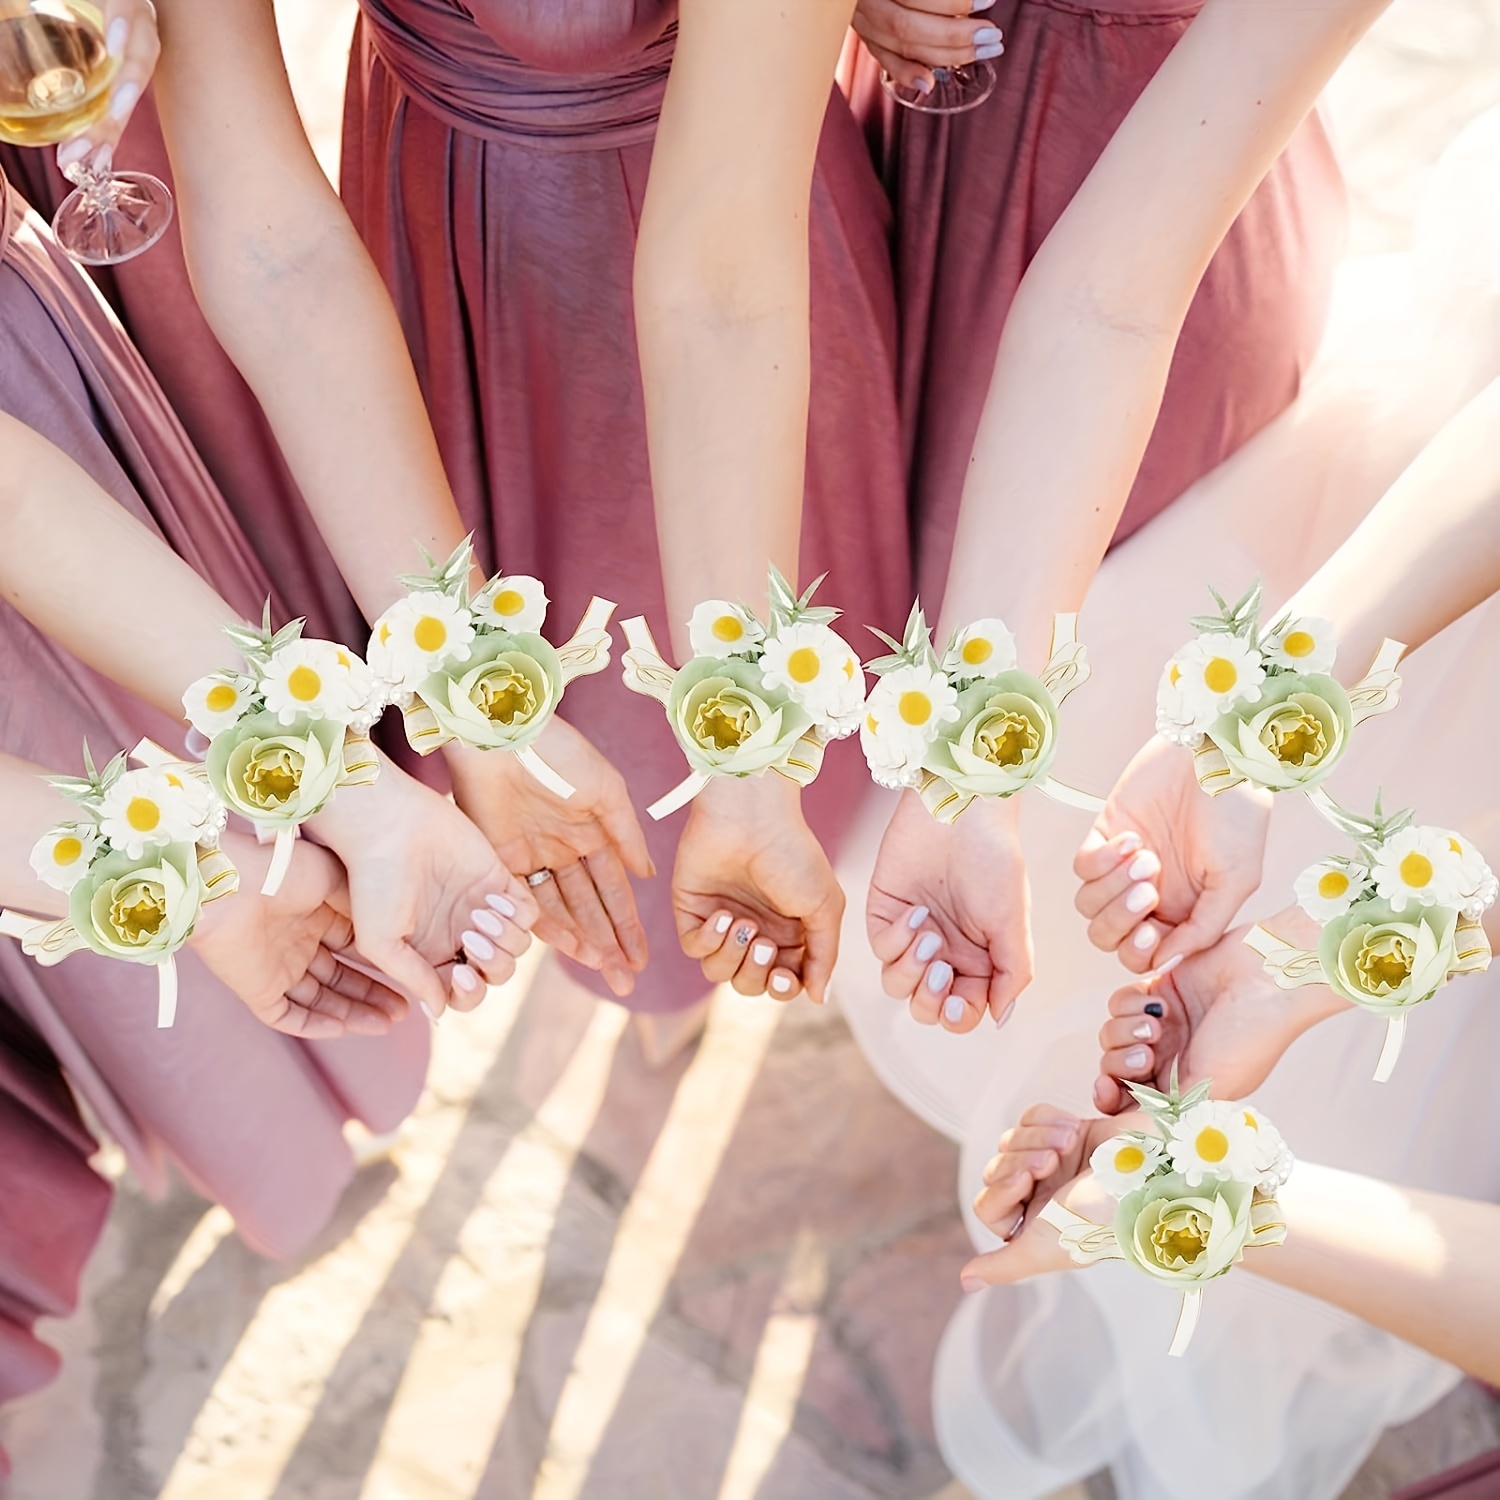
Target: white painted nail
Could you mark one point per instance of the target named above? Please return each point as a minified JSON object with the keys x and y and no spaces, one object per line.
{"x":1145,"y":938}
{"x":989,"y":50}
{"x":1142,"y":1033}
{"x":487,"y":921}
{"x":1129,"y":843}
{"x":918,"y":916}
{"x":114,"y":38}
{"x":722,"y":925}
{"x":1143,"y":866}
{"x":1005,"y":1015}
{"x":763,"y":953}
{"x":986,"y":36}
{"x":480,"y":947}
{"x":427,"y":1011}
{"x":501,"y":904}
{"x":124,"y":100}
{"x":1137,"y":1058}
{"x":780,"y":983}
{"x":1140,"y":898}
{"x":465,"y":978}
{"x":938,"y":977}
{"x":953,"y":1010}
{"x":75,"y":150}
{"x":928,"y":947}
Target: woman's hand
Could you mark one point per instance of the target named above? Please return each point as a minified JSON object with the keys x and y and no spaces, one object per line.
{"x":1216,"y":1015}
{"x":949,"y":913}
{"x":423,"y":882}
{"x":1043,"y":1157}
{"x":130,"y":35}
{"x":908,"y":38}
{"x":756,"y":899}
{"x":281,"y":954}
{"x":592,"y":843}
{"x":1166,"y":867}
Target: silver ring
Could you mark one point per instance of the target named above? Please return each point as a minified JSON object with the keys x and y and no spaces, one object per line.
{"x":538,"y":877}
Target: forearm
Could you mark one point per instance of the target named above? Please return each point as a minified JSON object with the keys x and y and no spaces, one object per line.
{"x":1419,"y":1265}
{"x":146,"y":621}
{"x":293,"y":296}
{"x":1083,"y":360}
{"x":1428,"y":552}
{"x":28,"y":808}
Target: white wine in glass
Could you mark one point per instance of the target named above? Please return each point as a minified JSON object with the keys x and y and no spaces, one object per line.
{"x":55,"y":77}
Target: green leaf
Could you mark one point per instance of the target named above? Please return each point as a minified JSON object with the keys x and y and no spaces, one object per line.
{"x":257,"y":646}
{"x":790,"y":609}
{"x":1237,"y":619}
{"x":450,"y":577}
{"x":89,"y":789}
{"x":914,"y":649}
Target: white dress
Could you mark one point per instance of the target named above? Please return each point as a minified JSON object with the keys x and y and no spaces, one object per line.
{"x":1279,"y":1397}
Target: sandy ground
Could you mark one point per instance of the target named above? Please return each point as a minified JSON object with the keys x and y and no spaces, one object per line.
{"x":574,"y":1277}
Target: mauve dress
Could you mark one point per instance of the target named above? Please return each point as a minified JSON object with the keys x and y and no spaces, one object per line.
{"x":251,"y":1117}
{"x":975,"y":195}
{"x":495,"y":160}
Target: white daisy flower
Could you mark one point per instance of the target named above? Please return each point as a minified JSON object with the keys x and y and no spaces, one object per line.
{"x":214,"y":702}
{"x":1303,"y":643}
{"x":1477,"y":886}
{"x":719,"y":628}
{"x":1217,"y":671}
{"x":912,"y":704}
{"x":1213,"y":1142}
{"x":150,"y":808}
{"x":894,"y":761}
{"x":1124,"y":1162}
{"x":817,"y":669}
{"x":1177,"y":720}
{"x":1272,"y":1156}
{"x":982,"y":649}
{"x":310,"y":679}
{"x":515,"y":602}
{"x":1328,"y":889}
{"x":419,"y":635}
{"x":1419,"y":866}
{"x":61,"y":857}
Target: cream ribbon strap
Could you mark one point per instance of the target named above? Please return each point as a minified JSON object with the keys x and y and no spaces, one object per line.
{"x":1087,"y":1243}
{"x":646,"y":670}
{"x":1187,"y":1322}
{"x":679,"y":796}
{"x":1379,"y":690}
{"x":1395,"y":1036}
{"x":558,"y":785}
{"x":1068,"y":661}
{"x":587,"y":650}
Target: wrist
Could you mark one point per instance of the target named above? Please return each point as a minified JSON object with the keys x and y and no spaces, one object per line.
{"x":348,"y":816}
{"x":747,"y":800}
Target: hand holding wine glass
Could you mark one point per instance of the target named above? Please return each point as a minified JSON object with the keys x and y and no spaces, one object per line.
{"x":935,"y":53}
{"x":72,"y":71}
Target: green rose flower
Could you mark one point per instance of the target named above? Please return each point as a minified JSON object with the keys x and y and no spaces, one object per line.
{"x":1386,"y":962}
{"x":277,"y":775}
{"x":501,"y":696}
{"x":1292,"y":736}
{"x":728,"y":723}
{"x":139,"y":909}
{"x":1181,"y":1234}
{"x":1004,"y":738}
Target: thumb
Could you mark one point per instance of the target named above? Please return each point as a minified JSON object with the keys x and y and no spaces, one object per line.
{"x":1036,"y":1252}
{"x":1215,"y":910}
{"x":822,"y":950}
{"x":412,"y":973}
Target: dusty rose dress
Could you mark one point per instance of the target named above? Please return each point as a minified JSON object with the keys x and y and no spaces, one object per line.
{"x":976,"y":194}
{"x":251,"y":1117}
{"x":495,"y":160}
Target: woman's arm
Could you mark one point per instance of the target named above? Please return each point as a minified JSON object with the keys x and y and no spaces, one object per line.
{"x":1084,"y":356}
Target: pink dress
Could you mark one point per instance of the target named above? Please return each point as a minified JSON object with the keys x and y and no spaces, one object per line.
{"x":251,"y":1117}
{"x":495,"y":160}
{"x":976,"y":194}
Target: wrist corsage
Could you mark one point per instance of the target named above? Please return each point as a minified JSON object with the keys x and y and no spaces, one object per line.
{"x":1258,"y":705}
{"x":1400,"y":918}
{"x":287,"y":732}
{"x":1194,"y":1194}
{"x":475,"y":667}
{"x":137,"y":865}
{"x":753,"y":698}
{"x":969,"y":723}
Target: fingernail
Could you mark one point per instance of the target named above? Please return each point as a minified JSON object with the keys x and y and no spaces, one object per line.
{"x":924,"y":85}
{"x":487,"y":921}
{"x":939,"y":976}
{"x":1155,"y":1008}
{"x":986,"y":36}
{"x":1165,"y":969}
{"x":1145,"y":938}
{"x":1142,"y":1033}
{"x":427,"y":1009}
{"x":1140,"y":898}
{"x":953,"y":1010}
{"x":465,"y":978}
{"x":780,"y":983}
{"x":1129,"y":843}
{"x":763,"y":953}
{"x":981,"y":5}
{"x":124,"y":100}
{"x":918,"y":916}
{"x":1004,"y":1015}
{"x":114,"y":38}
{"x":971,"y":1283}
{"x":1137,"y":1057}
{"x":1143,"y":866}
{"x":989,"y":50}
{"x":722,"y":925}
{"x":742,"y":935}
{"x":480,"y":947}
{"x":74,"y":151}
{"x":501,"y":904}
{"x":928,"y":947}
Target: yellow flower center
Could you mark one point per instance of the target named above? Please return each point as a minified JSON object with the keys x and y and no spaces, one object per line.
{"x":1220,"y":675}
{"x":137,"y":911}
{"x":1415,"y":870}
{"x":915,"y":707}
{"x":850,"y":668}
{"x":430,"y":633}
{"x":729,"y":628}
{"x":385,"y":633}
{"x":1332,"y":884}
{"x":1385,"y":964}
{"x":504,"y":696}
{"x":803,"y":664}
{"x":1181,"y":1238}
{"x":1299,"y":643}
{"x":976,"y":651}
{"x":1212,"y":1145}
{"x":1008,"y":739}
{"x":342,"y":657}
{"x":1174,"y":676}
{"x":303,"y":684}
{"x":1251,"y":1121}
{"x":273,"y":776}
{"x":1129,"y":1159}
{"x":142,"y":814}
{"x":724,"y":723}
{"x":1455,"y":846}
{"x":871,"y":725}
{"x":220,"y":698}
{"x":508,"y":602}
{"x":66,"y":850}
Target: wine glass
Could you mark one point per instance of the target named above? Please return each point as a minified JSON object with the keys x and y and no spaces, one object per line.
{"x":55,"y":77}
{"x":953,"y":89}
